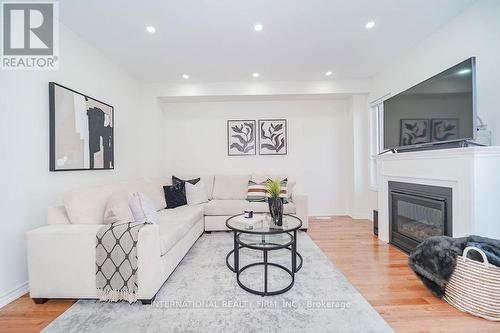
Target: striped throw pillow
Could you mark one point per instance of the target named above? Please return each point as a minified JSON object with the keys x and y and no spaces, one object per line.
{"x":283,"y":190}
{"x":256,"y":191}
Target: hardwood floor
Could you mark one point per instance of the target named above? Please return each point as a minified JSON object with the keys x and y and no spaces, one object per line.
{"x":24,"y":316}
{"x":377,"y":270}
{"x":381,"y":274}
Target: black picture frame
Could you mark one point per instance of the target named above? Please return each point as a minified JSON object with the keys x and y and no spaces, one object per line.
{"x":449,"y":133}
{"x":231,"y":139}
{"x":403,"y":131}
{"x":52,"y":130}
{"x":261,"y":138}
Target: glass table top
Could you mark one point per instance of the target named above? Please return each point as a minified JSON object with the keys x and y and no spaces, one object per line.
{"x":261,"y":223}
{"x":263,"y":241}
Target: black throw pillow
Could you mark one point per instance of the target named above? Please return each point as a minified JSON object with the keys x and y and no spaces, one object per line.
{"x":177,"y":180}
{"x":175,"y":195}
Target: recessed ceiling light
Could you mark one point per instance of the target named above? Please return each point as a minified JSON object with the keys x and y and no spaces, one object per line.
{"x":185,"y":76}
{"x":255,"y":74}
{"x":150,"y":29}
{"x":369,"y":25}
{"x":329,"y":73}
{"x":258,"y":27}
{"x":464,"y":71}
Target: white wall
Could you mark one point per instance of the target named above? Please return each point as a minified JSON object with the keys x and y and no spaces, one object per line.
{"x":362,"y":199}
{"x":475,"y":32}
{"x":27,"y":185}
{"x":318,"y":156}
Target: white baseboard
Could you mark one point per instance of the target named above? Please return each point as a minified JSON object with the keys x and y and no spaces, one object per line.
{"x":328,"y":214}
{"x":354,"y":216}
{"x":361,"y":217}
{"x":14,"y":294}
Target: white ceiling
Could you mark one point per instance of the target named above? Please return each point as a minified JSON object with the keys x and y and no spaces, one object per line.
{"x":214,"y":40}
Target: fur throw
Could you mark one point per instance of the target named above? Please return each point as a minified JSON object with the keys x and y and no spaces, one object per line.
{"x":433,"y":260}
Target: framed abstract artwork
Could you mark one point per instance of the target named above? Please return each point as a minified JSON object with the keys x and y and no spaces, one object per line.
{"x":272,"y":137}
{"x":241,"y":138}
{"x":444,"y":129}
{"x":81,"y":131}
{"x":414,"y":131}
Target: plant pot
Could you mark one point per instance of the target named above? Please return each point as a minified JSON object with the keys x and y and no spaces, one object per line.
{"x":276,"y":210}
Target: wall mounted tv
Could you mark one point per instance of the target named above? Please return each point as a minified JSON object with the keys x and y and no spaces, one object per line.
{"x":439,"y":110}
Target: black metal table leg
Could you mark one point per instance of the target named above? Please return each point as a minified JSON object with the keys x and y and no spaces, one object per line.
{"x":294,"y":252}
{"x":236,"y":253}
{"x":265,"y":271}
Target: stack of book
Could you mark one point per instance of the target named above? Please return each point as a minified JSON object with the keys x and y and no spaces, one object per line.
{"x":251,"y":222}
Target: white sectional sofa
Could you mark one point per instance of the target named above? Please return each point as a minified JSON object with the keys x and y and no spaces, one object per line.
{"x":61,"y":255}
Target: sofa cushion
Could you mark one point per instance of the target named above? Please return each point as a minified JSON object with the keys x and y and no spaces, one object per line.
{"x":234,"y":207}
{"x":176,"y":223}
{"x":177,"y":180}
{"x":258,"y":178}
{"x":231,"y":187}
{"x":209,"y":185}
{"x":196,"y":194}
{"x":152,"y":189}
{"x":87,"y":205}
{"x":226,"y":207}
{"x":143,"y":208}
{"x":57,"y":215}
{"x":117,"y":208}
{"x":175,"y":195}
{"x":256,"y":191}
{"x":206,"y":179}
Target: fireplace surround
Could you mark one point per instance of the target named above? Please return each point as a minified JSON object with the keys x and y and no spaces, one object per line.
{"x":471,"y":173}
{"x":418,"y":211}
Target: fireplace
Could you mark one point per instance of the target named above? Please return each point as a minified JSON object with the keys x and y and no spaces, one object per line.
{"x":417,"y":212}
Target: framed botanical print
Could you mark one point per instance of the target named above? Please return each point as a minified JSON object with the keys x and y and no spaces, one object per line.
{"x":241,"y":138}
{"x":414,"y":131}
{"x":445,"y":129}
{"x":81,"y":131}
{"x":272,"y":137}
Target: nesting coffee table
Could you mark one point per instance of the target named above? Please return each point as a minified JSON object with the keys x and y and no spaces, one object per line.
{"x":261,"y":234}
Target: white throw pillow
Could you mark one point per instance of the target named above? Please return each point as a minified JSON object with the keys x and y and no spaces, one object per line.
{"x":117,"y":209}
{"x":143,"y":208}
{"x":231,"y":187}
{"x":196,"y":194}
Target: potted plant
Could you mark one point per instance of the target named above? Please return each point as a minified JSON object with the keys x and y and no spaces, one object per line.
{"x":274,"y":201}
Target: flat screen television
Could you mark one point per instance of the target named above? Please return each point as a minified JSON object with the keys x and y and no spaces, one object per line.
{"x":438,"y":110}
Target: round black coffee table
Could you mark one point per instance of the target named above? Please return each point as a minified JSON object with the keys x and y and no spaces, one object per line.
{"x":261,"y":234}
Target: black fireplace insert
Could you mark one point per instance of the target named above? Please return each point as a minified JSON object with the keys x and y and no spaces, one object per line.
{"x":417,"y":212}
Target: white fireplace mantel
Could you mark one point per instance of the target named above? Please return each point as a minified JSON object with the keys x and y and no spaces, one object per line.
{"x":472,"y":173}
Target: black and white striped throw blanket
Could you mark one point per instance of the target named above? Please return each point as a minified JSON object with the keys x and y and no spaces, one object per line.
{"x":116,"y":262}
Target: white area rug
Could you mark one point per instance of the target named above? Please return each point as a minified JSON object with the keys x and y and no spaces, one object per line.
{"x":202,"y":295}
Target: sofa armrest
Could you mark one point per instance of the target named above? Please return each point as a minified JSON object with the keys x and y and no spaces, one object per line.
{"x":61,"y":261}
{"x":57,"y":215}
{"x":301,"y":208}
{"x":151,"y":274}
